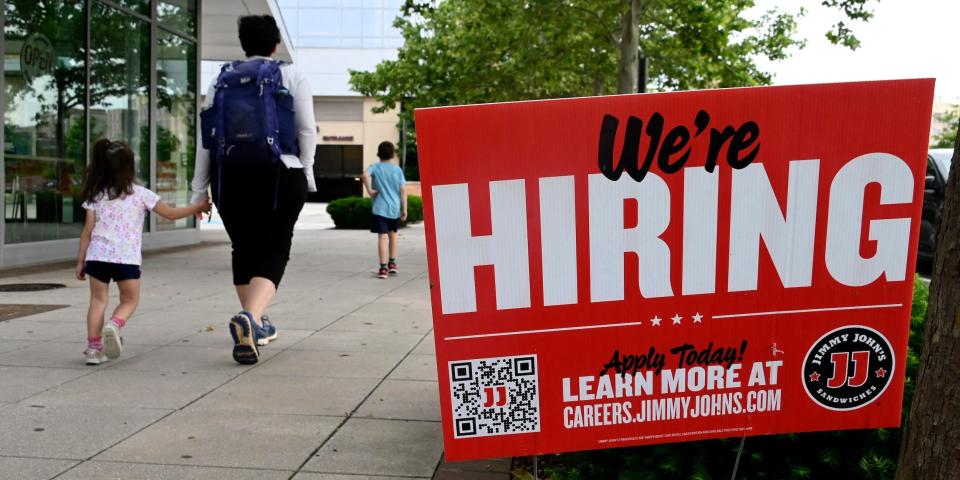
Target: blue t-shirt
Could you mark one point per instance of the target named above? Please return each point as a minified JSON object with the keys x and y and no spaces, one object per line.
{"x":387,"y":179}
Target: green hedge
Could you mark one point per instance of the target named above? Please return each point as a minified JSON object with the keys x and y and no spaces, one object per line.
{"x":414,"y":209}
{"x":355,"y":212}
{"x":846,"y":454}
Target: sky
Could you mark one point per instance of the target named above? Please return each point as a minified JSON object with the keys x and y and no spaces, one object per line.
{"x":904,"y":39}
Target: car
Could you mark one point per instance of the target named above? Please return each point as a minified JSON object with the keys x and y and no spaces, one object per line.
{"x":938,"y":168}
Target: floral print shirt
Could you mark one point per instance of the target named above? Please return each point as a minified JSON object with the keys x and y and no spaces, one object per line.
{"x":118,"y":231}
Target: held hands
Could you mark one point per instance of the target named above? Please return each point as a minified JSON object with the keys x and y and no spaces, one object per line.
{"x":202,"y":206}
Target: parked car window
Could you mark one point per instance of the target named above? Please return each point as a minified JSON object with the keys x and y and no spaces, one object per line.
{"x":941,"y":156}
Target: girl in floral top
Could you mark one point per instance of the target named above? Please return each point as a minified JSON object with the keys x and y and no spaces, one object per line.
{"x":111,"y":239}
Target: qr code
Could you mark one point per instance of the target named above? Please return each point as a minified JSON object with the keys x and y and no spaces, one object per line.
{"x":495,"y":396}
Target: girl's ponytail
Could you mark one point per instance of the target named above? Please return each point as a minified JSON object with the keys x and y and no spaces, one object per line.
{"x":99,"y":151}
{"x":110,"y":172}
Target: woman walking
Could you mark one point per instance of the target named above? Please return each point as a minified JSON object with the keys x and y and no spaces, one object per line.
{"x":258,"y":196}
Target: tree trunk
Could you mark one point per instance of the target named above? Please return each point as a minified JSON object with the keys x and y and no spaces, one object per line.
{"x":931,"y":442}
{"x":629,"y":49}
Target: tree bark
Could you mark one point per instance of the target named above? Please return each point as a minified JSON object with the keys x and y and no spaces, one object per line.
{"x":931,"y":442}
{"x":629,"y":49}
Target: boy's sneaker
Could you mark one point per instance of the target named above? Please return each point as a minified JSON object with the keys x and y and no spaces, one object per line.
{"x":392,"y":268}
{"x":112,"y":343}
{"x":95,"y":357}
{"x":244,"y":333}
{"x":382,"y":273}
{"x":266,"y":333}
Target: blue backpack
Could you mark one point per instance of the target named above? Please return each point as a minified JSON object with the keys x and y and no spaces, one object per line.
{"x":251,"y":122}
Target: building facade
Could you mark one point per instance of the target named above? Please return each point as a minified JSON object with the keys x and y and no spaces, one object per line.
{"x":78,"y":70}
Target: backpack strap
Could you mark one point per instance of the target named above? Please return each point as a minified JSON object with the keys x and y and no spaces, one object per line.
{"x":221,"y":142}
{"x":268,"y":80}
{"x":221,"y":148}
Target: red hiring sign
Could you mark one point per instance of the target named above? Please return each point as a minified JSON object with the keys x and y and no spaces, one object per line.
{"x":655,"y":268}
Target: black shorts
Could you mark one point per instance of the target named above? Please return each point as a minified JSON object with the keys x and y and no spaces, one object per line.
{"x":106,"y":271}
{"x":259,"y":207}
{"x":383,"y":225}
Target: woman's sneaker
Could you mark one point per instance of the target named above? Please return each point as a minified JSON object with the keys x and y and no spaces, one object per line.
{"x":383,"y":273}
{"x":94,"y":356}
{"x":266,"y":333}
{"x":112,"y":343}
{"x":392,"y":268}
{"x":244,"y":333}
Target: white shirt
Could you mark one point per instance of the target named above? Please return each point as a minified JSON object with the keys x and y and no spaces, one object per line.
{"x":118,"y":229}
{"x":306,"y":124}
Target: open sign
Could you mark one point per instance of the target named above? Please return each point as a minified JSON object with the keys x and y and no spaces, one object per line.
{"x":36,"y":57}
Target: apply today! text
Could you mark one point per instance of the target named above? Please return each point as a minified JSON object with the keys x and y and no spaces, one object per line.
{"x":712,"y":379}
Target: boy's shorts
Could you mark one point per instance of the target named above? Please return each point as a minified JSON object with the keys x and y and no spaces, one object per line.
{"x":106,"y":271}
{"x":383,"y":225}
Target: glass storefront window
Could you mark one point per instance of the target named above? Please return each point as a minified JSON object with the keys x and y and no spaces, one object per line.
{"x":179,"y":15}
{"x":75,"y":71}
{"x":44,"y":126}
{"x":120,"y":82}
{"x":140,"y":6}
{"x":176,"y":114}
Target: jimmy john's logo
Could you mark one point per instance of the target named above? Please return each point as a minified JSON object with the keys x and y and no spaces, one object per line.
{"x":848,"y":368}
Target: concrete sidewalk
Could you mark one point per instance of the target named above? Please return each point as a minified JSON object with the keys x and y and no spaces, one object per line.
{"x":348,"y":391}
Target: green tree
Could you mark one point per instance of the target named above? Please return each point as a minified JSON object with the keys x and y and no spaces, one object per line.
{"x":461,"y":51}
{"x":467,"y":51}
{"x":948,"y":136}
{"x":76,"y":135}
{"x":167,"y":143}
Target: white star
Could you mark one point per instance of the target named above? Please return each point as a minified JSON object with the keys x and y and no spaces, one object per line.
{"x":676,"y":319}
{"x":655,"y":321}
{"x":697,"y":318}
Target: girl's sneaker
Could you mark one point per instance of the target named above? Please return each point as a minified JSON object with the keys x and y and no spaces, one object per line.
{"x":112,"y":343}
{"x":382,"y":273}
{"x":392,"y":268}
{"x":244,"y":333}
{"x":95,"y":357}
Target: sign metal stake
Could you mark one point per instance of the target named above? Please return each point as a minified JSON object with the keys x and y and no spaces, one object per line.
{"x":736,"y":464}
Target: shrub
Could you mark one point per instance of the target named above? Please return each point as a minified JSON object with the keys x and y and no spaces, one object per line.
{"x":355,"y":212}
{"x":351,"y":212}
{"x":414,"y":209}
{"x":847,"y":454}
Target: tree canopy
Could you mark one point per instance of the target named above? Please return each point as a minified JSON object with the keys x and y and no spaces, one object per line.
{"x":463,"y":51}
{"x":948,"y":136}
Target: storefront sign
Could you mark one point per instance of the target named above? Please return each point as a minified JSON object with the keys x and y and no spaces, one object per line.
{"x":36,"y":57}
{"x":640,"y":269}
{"x":338,"y":138}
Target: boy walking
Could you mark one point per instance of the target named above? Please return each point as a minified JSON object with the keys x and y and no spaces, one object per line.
{"x":385,"y":183}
